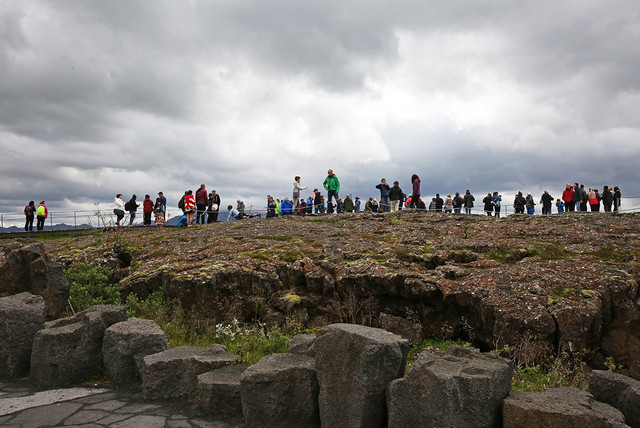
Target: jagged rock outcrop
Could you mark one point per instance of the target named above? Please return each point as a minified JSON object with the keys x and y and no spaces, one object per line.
{"x":174,"y":373}
{"x":21,"y":316}
{"x":559,"y":407}
{"x":124,"y":346}
{"x":539,"y":284}
{"x":402,"y":327}
{"x":302,"y":344}
{"x":621,"y":392}
{"x":66,"y":351}
{"x":354,"y":365}
{"x":281,"y":390}
{"x":218,"y":391}
{"x":460,"y":387}
{"x":28,"y":269}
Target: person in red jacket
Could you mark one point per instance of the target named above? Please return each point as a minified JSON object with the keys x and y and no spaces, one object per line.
{"x":189,"y":206}
{"x":147,"y":209}
{"x":567,"y":197}
{"x":202,"y":200}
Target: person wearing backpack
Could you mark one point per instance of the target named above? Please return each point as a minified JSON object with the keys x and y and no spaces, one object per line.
{"x":29,"y":213}
{"x":181,"y":203}
{"x":42,"y":212}
{"x":132,"y":207}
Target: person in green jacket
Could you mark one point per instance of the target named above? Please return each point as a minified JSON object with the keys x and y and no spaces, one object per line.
{"x":332,"y":185}
{"x":348,"y":204}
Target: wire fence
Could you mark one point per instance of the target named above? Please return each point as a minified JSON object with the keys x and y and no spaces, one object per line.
{"x":100,"y":218}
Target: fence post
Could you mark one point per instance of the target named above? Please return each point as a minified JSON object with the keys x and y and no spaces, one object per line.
{"x":1,"y":222}
{"x":50,"y":221}
{"x":75,"y":223}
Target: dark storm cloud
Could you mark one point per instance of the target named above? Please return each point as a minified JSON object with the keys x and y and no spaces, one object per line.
{"x":105,"y":97}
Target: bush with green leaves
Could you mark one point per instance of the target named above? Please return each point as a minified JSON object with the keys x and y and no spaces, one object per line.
{"x":90,"y":286}
{"x":250,"y":341}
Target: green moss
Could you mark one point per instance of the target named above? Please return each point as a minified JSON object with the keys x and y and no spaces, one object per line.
{"x":375,"y":256}
{"x":291,"y":298}
{"x":258,"y":255}
{"x":613,"y":253}
{"x":551,"y":252}
{"x":290,"y":256}
{"x":558,"y":294}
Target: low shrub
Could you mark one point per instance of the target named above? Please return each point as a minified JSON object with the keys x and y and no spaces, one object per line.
{"x":90,"y":286}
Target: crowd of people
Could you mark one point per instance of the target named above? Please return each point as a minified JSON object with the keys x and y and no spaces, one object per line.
{"x":204,"y":207}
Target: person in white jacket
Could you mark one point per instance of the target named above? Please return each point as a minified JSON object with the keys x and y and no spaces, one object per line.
{"x":118,"y":209}
{"x":297,"y":187}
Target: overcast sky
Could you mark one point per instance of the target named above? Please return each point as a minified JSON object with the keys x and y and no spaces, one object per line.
{"x":102,"y":97}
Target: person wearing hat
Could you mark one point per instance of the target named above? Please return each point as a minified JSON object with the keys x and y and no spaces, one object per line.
{"x":42,"y":213}
{"x":530,"y":204}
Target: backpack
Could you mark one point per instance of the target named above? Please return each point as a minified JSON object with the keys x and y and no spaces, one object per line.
{"x":28,"y":211}
{"x":127,"y":206}
{"x":181,"y":203}
{"x":40,"y":211}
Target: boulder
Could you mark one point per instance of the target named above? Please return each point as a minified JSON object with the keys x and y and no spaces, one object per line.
{"x":281,"y":390}
{"x":27,"y":268}
{"x":174,"y":373}
{"x":21,"y":316}
{"x":302,"y":344}
{"x":402,"y":327}
{"x":218,"y":391}
{"x":124,"y":346}
{"x":460,"y":387}
{"x":558,"y":407}
{"x":68,"y":350}
{"x":622,"y":392}
{"x":354,"y":365}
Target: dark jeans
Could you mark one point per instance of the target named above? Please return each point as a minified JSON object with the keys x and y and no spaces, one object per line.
{"x":334,"y":194}
{"x":570,"y":206}
{"x":200,"y":213}
{"x":146,"y":219}
{"x":457,"y":210}
{"x":28,"y":225}
{"x":497,"y":211}
{"x":212,"y":216}
{"x":546,"y":210}
{"x":40,"y":223}
{"x":133,"y":216}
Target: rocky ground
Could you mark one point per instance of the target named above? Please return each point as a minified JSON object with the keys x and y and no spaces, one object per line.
{"x":539,"y":284}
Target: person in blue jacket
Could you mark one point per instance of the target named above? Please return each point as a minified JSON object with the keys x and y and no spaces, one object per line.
{"x":182,"y":222}
{"x":286,"y":206}
{"x":384,"y":195}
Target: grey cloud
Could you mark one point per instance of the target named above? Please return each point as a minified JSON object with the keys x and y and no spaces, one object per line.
{"x":114,"y":91}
